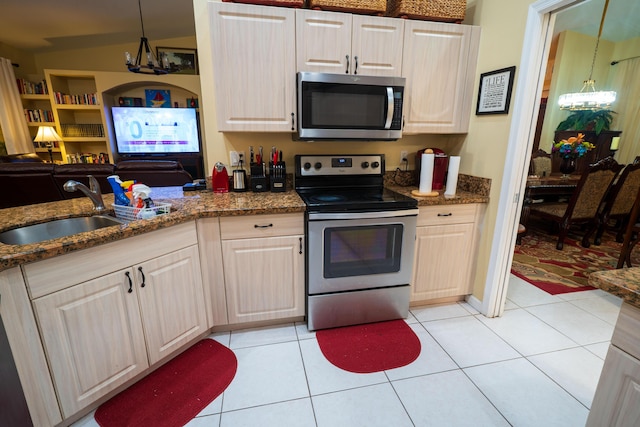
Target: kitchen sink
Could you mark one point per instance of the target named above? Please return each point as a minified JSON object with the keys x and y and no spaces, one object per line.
{"x":56,"y":229}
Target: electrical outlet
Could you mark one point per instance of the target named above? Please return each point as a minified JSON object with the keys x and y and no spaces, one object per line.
{"x":233,"y":158}
{"x":403,"y":157}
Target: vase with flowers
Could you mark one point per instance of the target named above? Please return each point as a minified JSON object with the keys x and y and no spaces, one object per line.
{"x":569,"y":150}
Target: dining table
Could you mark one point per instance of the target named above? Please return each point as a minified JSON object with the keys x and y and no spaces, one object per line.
{"x":547,"y":188}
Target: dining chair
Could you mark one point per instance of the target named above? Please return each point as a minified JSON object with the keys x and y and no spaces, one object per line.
{"x":583,"y":205}
{"x":630,"y":235}
{"x":540,"y":164}
{"x":619,"y":202}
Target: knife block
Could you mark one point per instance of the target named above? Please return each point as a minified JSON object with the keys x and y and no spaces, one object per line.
{"x":278,"y":177}
{"x":259,"y":181}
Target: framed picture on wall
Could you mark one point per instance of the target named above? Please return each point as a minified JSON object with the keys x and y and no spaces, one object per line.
{"x":494,"y":94}
{"x":179,"y":60}
{"x":157,"y":98}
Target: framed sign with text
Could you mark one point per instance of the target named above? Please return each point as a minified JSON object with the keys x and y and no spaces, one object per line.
{"x":494,"y":94}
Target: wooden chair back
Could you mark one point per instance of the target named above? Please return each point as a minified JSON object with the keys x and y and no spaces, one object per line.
{"x":540,"y":163}
{"x":630,"y":235}
{"x":592,"y":188}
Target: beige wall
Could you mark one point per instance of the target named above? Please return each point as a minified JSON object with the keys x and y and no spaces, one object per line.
{"x":483,"y":154}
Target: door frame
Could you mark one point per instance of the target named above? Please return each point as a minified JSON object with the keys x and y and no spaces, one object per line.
{"x":535,"y":53}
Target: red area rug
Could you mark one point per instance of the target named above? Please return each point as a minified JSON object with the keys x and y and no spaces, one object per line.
{"x":174,"y":393}
{"x":538,"y":262}
{"x":370,"y":348}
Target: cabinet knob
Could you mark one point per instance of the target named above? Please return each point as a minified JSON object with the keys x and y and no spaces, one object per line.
{"x":262,"y":226}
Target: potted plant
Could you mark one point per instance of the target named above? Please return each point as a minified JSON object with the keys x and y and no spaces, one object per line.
{"x":588,"y":120}
{"x":569,"y":150}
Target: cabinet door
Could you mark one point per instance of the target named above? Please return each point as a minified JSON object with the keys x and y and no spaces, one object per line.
{"x":377,"y":46}
{"x":253,"y":51}
{"x":443,"y":260}
{"x":439,"y":63}
{"x":171,"y":301}
{"x":617,"y":399}
{"x":323,"y":42}
{"x":264,"y":278}
{"x":92,"y":335}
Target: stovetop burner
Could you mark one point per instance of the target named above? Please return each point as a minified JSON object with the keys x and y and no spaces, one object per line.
{"x":335,"y":183}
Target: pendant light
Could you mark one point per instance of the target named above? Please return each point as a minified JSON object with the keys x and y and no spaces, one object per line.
{"x":152,"y":66}
{"x":589,"y":98}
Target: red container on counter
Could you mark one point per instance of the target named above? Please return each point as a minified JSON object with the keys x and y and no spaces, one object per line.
{"x":440,"y":164}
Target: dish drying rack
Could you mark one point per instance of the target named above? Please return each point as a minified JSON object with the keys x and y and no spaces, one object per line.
{"x":130,"y":213}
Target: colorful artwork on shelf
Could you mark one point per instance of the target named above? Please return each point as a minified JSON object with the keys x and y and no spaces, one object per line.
{"x":158,"y":98}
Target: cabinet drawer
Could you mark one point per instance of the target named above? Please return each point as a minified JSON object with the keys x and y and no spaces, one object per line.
{"x":447,"y":214}
{"x":252,"y":226}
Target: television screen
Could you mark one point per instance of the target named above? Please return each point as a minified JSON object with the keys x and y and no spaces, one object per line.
{"x":142,"y":130}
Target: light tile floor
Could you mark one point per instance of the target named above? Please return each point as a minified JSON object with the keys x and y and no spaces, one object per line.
{"x":537,"y":365}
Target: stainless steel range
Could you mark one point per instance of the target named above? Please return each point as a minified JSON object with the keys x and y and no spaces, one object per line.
{"x":360,"y":240}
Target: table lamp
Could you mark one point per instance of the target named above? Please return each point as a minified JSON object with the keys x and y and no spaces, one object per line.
{"x":48,"y":135}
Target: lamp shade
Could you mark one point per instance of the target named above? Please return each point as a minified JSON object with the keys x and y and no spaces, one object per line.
{"x":47,"y":134}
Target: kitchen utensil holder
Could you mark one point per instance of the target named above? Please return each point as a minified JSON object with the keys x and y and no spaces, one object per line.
{"x":278,"y":177}
{"x":259,"y":181}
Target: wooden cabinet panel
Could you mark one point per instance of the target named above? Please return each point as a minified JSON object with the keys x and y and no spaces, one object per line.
{"x":443,"y":261}
{"x":254,"y":66}
{"x":93,"y":337}
{"x":617,"y":399}
{"x":171,"y":302}
{"x":341,"y":43}
{"x":254,"y":226}
{"x":439,"y":63}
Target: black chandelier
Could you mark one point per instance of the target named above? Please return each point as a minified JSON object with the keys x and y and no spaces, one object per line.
{"x":152,"y":66}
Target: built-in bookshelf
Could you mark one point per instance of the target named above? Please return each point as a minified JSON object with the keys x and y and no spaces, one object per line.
{"x":37,"y":109}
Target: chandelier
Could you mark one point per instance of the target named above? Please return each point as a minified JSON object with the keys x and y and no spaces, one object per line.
{"x":589,"y":98}
{"x":152,"y":66}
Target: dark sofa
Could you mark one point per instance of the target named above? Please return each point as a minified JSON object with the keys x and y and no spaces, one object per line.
{"x":26,"y":180}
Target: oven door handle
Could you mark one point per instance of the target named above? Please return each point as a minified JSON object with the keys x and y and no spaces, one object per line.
{"x":390,"y":108}
{"x":318,"y":216}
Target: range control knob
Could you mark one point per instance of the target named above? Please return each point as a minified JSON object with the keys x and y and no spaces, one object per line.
{"x":365,"y":165}
{"x":318,"y":165}
{"x":375,"y":165}
{"x":307,"y":166}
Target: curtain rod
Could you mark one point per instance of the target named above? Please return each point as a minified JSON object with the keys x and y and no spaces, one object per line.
{"x":626,"y":59}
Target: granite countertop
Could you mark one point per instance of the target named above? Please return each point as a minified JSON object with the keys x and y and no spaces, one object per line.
{"x":185,"y":206}
{"x":622,"y":282}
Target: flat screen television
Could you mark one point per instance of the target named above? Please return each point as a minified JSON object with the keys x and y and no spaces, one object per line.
{"x":159,"y":131}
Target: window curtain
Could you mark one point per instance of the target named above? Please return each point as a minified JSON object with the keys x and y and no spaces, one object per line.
{"x":627,"y":85}
{"x":12,"y":121}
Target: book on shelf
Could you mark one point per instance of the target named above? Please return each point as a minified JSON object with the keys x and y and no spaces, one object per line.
{"x":26,"y":87}
{"x":87,"y":158}
{"x":38,"y":115}
{"x":82,"y":99}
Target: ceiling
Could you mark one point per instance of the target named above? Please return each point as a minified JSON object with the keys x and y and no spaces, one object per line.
{"x":46,"y":26}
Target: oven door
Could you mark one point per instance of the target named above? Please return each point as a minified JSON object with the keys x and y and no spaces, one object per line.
{"x":349,"y":251}
{"x":334,"y":106}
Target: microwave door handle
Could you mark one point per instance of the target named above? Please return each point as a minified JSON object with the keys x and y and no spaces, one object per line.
{"x":390,"y":106}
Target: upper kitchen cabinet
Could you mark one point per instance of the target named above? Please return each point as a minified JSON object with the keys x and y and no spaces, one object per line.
{"x":439,"y":63}
{"x":341,"y":43}
{"x":253,"y":51}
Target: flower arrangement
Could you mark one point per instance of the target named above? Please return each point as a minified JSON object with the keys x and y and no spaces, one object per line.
{"x":573,"y":147}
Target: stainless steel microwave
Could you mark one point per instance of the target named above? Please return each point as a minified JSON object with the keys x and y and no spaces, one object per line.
{"x":345,"y":106}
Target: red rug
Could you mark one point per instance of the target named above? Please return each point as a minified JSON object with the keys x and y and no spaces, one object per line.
{"x":174,"y":393}
{"x":370,"y":348}
{"x":538,"y":262}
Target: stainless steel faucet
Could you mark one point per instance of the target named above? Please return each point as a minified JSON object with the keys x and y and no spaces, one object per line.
{"x":93,"y":192}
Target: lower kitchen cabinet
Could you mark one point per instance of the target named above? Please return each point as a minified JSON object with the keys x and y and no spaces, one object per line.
{"x":263,"y":257}
{"x":446,"y":239}
{"x":108,"y":313}
{"x":617,"y":398}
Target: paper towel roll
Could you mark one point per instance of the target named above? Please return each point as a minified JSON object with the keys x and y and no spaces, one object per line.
{"x":452,"y":176}
{"x":426,"y":172}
